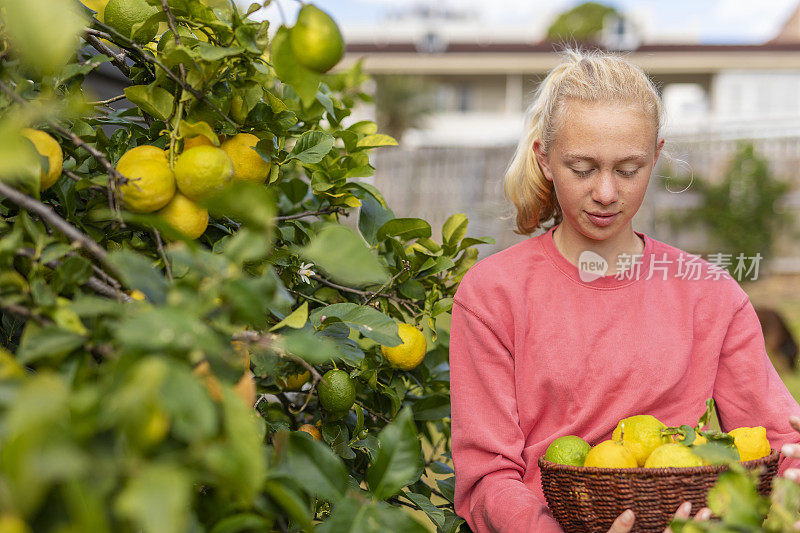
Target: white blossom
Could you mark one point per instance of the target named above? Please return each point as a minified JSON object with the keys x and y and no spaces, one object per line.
{"x":304,"y":271}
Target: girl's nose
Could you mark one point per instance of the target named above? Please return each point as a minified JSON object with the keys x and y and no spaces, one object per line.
{"x":605,"y":189}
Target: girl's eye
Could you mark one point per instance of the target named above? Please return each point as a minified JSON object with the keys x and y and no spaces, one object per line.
{"x":628,"y":172}
{"x":582,"y":173}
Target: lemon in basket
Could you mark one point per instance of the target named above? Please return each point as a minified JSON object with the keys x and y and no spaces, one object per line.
{"x":568,"y":450}
{"x":641,"y":434}
{"x":610,"y":454}
{"x":752,"y":442}
{"x":672,"y":455}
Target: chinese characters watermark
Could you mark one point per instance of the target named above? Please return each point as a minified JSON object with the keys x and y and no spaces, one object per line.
{"x":716,"y":266}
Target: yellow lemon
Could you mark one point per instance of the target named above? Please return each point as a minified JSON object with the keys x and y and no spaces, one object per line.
{"x":672,"y":455}
{"x":411,"y":352}
{"x":150,"y":185}
{"x":610,"y":454}
{"x":293,"y":382}
{"x":136,"y":294}
{"x":641,"y":434}
{"x":144,"y":151}
{"x":10,"y":523}
{"x":96,"y":5}
{"x":49,"y":148}
{"x":185,"y":216}
{"x":752,"y":442}
{"x":245,"y":388}
{"x":247,"y":164}
{"x":196,"y":140}
{"x":311,"y":430}
{"x":202,"y":171}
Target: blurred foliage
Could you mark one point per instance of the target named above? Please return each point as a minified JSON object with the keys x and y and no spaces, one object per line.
{"x":403,"y":102}
{"x":142,"y":375}
{"x":583,"y":22}
{"x":741,"y":210}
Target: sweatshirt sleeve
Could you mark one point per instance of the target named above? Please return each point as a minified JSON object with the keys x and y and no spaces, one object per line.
{"x":487,"y":441}
{"x":748,"y":390}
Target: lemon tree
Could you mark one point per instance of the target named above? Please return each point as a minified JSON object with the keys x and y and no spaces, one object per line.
{"x":185,"y":298}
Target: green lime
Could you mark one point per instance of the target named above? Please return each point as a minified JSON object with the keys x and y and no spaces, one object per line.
{"x":568,"y":450}
{"x":123,"y":15}
{"x":338,"y":398}
{"x":316,"y":40}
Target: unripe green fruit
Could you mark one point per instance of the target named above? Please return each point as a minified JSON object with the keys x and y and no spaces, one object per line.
{"x":316,"y":40}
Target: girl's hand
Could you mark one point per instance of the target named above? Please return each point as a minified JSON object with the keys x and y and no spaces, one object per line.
{"x":624,"y":522}
{"x":793,"y":451}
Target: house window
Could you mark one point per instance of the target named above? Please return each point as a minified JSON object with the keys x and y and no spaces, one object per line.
{"x":464,"y":97}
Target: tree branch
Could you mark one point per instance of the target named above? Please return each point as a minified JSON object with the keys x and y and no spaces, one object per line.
{"x":160,"y":246}
{"x":51,"y":217}
{"x":327,"y":210}
{"x":116,"y":178}
{"x":154,"y":60}
{"x":117,"y":59}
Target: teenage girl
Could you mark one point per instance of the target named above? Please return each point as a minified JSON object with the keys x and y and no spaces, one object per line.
{"x":541,"y":348}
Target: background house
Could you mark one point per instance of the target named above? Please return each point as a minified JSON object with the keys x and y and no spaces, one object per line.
{"x":483,"y":78}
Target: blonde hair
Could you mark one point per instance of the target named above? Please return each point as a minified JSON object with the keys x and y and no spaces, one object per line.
{"x":588,"y":76}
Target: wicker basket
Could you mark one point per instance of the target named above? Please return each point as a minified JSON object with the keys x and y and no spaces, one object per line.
{"x":590,"y":499}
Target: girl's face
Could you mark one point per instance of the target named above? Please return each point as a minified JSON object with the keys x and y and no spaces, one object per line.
{"x":600,"y":163}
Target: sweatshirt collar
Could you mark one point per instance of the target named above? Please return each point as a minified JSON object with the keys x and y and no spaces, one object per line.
{"x":631,"y":275}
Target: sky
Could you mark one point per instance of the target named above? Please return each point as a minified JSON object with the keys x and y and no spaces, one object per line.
{"x":706,"y":21}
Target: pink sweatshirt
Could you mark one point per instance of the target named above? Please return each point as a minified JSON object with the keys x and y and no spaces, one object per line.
{"x":537,"y":353}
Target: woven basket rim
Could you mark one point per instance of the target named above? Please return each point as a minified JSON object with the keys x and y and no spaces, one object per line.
{"x":641,"y":471}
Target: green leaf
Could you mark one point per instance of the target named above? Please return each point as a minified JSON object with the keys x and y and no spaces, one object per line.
{"x":716,"y":452}
{"x":311,"y":147}
{"x":290,"y":501}
{"x":315,"y":467}
{"x":297,"y":319}
{"x":454,"y":229}
{"x":404,"y":228}
{"x":304,"y":81}
{"x":447,"y":487}
{"x":246,"y":245}
{"x":50,"y":342}
{"x":368,"y":321}
{"x":192,"y":412}
{"x":433,"y":407}
{"x":156,"y":498}
{"x":138,"y":273}
{"x":167,"y":330}
{"x":434,"y":266}
{"x":735,"y":498}
{"x":43,"y":33}
{"x":470,"y":241}
{"x":442,"y":306}
{"x":252,"y":204}
{"x":342,"y":254}
{"x":242,"y":522}
{"x":423,"y":502}
{"x":372,"y":216}
{"x":314,"y":348}
{"x":191,"y":129}
{"x":153,"y":100}
{"x":412,"y":289}
{"x":353,"y":516}
{"x":374,"y":141}
{"x":398,"y":458}
{"x":214,"y":53}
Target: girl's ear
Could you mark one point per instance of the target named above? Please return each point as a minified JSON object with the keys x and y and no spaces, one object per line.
{"x":541,"y":158}
{"x":659,"y":146}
